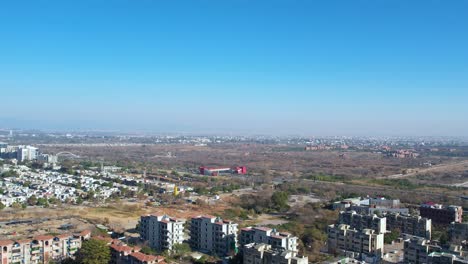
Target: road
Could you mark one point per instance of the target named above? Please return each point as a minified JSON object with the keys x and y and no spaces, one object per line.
{"x":440,"y":167}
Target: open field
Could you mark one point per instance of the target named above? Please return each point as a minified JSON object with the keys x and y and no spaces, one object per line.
{"x":267,"y":160}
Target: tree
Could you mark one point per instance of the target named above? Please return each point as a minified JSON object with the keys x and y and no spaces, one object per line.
{"x":181,"y":249}
{"x":32,"y":200}
{"x":280,"y":200}
{"x":392,"y":236}
{"x":93,"y":252}
{"x":2,"y":206}
{"x":42,"y":202}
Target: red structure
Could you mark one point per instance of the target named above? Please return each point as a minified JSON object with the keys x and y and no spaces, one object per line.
{"x":215,"y":171}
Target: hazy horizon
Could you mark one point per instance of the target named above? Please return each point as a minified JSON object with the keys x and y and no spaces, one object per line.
{"x":358,"y":68}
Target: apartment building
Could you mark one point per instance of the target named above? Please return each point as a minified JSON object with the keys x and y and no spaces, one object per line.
{"x":384,"y":203}
{"x":411,"y":225}
{"x":363,"y":221}
{"x":213,"y":235}
{"x":266,"y":254}
{"x":440,"y":214}
{"x":342,"y":238}
{"x":445,"y":258}
{"x":268,"y":236}
{"x":161,"y":231}
{"x":458,"y":233}
{"x":41,"y":249}
{"x":417,"y":250}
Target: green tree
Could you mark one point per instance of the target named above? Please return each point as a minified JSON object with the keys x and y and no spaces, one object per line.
{"x":93,"y":252}
{"x":392,"y":236}
{"x":280,"y":200}
{"x":32,"y":200}
{"x":42,"y":202}
{"x":2,"y":206}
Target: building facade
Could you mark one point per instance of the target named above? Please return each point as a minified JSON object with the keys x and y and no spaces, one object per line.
{"x":417,"y":250}
{"x":440,"y":214}
{"x":213,"y":235}
{"x":342,"y":238}
{"x":411,"y":225}
{"x":266,"y":254}
{"x":161,"y":231}
{"x":41,"y":249}
{"x":268,"y":236}
{"x":360,"y":221}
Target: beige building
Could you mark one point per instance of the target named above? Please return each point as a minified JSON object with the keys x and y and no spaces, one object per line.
{"x":268,"y":236}
{"x":213,"y":235}
{"x":363,"y":221}
{"x":411,"y":225}
{"x":161,"y":231}
{"x":265,"y":254}
{"x":417,"y":250}
{"x":41,"y":249}
{"x":342,"y":238}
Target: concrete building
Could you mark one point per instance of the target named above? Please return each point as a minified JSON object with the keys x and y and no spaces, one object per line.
{"x":268,"y":236}
{"x":440,"y":214}
{"x":25,"y":153}
{"x":384,"y":203}
{"x":411,"y":225}
{"x":360,"y":221}
{"x":213,"y":235}
{"x":41,"y":249}
{"x":417,"y":250}
{"x":266,"y":254}
{"x":445,"y":258}
{"x":458,"y":232}
{"x":161,"y":231}
{"x":342,"y":238}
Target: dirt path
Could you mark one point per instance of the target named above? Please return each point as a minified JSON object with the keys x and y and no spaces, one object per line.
{"x":437,"y":168}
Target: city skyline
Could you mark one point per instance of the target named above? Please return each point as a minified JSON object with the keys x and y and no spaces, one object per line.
{"x":308,"y":68}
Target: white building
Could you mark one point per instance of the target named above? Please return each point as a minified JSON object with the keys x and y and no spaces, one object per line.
{"x":161,"y":231}
{"x":268,"y":236}
{"x":213,"y":235}
{"x":266,"y":254}
{"x":342,"y":238}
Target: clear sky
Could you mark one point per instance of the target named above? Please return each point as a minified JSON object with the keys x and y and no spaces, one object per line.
{"x":374,"y":67}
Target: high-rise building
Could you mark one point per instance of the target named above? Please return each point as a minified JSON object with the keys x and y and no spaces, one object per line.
{"x":213,"y":235}
{"x":161,"y":231}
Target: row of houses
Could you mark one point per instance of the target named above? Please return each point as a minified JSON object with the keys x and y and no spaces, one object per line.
{"x":41,"y":249}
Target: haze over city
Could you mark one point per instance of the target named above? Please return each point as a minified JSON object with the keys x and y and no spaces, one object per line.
{"x":270,"y":67}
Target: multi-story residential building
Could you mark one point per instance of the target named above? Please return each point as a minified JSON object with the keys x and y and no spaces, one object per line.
{"x":268,"y":236}
{"x":458,"y":233}
{"x":417,"y":250}
{"x":440,"y":214}
{"x":411,"y":225}
{"x":360,"y":221}
{"x":445,"y":258}
{"x":342,"y":238}
{"x":161,"y":231}
{"x":384,"y":203}
{"x":41,"y":249}
{"x":213,"y":235}
{"x":266,"y":254}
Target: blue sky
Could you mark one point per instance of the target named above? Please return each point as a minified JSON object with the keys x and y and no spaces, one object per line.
{"x":376,"y":67}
